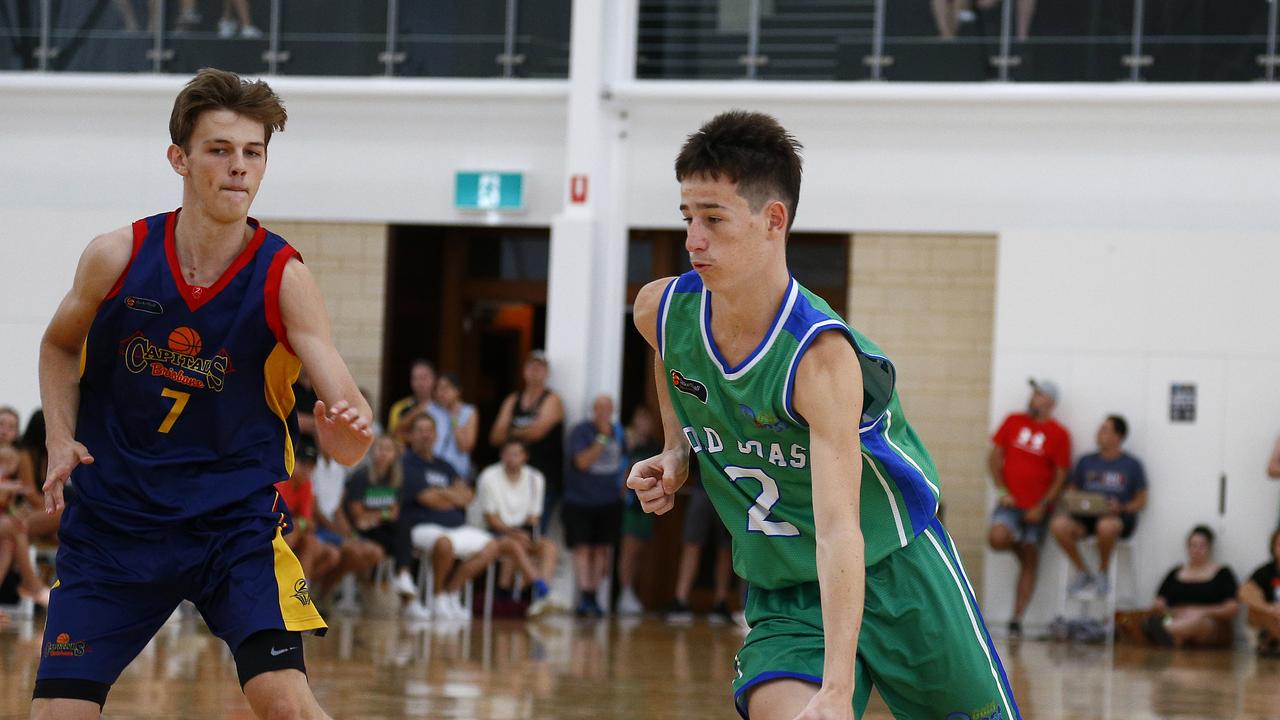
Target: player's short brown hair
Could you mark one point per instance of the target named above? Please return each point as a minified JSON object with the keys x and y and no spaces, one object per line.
{"x":751,"y":149}
{"x":213,"y":89}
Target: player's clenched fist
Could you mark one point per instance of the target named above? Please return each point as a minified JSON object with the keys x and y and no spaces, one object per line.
{"x":657,"y":479}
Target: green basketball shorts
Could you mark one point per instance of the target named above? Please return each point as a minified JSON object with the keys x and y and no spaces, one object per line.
{"x":923,"y":643}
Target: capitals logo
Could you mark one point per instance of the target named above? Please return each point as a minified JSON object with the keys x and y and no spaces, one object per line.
{"x":764,"y":420}
{"x":179,"y":361}
{"x":62,"y":646}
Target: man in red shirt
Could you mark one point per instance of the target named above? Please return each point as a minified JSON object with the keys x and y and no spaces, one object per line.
{"x":1030,"y":458}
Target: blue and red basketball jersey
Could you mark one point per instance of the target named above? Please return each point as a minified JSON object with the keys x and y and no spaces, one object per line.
{"x":186,"y":399}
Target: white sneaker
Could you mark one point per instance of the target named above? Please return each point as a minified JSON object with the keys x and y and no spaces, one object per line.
{"x":404,"y":584}
{"x":227,"y":28}
{"x":460,"y":612}
{"x":415,"y":612}
{"x":628,"y":603}
{"x":539,"y":606}
{"x":249,"y":32}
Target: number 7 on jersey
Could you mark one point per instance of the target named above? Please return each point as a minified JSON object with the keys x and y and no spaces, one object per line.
{"x":179,"y":404}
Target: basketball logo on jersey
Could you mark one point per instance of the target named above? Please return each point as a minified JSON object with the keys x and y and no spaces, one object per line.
{"x":180,"y":361}
{"x":688,"y":386}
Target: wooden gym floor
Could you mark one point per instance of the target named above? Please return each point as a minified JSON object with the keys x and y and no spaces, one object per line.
{"x":639,"y":669}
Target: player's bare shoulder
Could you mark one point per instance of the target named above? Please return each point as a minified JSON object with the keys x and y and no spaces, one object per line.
{"x":828,"y":375}
{"x":645,"y":309}
{"x":104,"y":259}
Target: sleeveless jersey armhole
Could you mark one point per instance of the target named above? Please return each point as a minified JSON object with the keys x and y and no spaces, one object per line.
{"x":139,"y":235}
{"x":664,"y":305}
{"x":789,"y":385}
{"x":271,"y":292}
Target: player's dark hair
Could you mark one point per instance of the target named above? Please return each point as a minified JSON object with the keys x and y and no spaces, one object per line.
{"x":1202,"y":530}
{"x":213,"y":89}
{"x":1271,"y":544}
{"x":1120,"y":425}
{"x":518,"y":443}
{"x":751,"y":149}
{"x":422,"y":362}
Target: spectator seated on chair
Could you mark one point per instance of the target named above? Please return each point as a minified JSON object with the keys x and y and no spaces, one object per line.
{"x":1107,"y":491}
{"x":433,"y":513}
{"x":317,"y":558}
{"x":1261,"y":594}
{"x":1029,"y":459}
{"x":371,"y":499}
{"x":509,"y":497}
{"x":1196,"y":604}
{"x":14,"y":545}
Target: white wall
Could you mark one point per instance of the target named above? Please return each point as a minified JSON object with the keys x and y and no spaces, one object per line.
{"x":1136,"y":222}
{"x":81,"y":155}
{"x":1115,"y":317}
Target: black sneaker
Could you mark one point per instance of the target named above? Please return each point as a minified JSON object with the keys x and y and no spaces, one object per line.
{"x":720,"y":615}
{"x":677,"y":613}
{"x":1015,"y":630}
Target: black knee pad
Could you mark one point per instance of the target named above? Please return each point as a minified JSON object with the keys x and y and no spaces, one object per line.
{"x":267,"y":651}
{"x":71,"y":689}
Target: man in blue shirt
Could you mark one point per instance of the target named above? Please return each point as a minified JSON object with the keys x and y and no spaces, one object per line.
{"x":593,"y":499}
{"x":433,"y":512}
{"x":1119,"y":477}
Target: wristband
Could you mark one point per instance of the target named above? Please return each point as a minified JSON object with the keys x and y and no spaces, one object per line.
{"x":1002,"y":491}
{"x":602,"y":438}
{"x":386,"y":513}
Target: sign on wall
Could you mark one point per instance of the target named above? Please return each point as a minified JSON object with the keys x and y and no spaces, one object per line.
{"x":488,"y":190}
{"x":1182,"y":402}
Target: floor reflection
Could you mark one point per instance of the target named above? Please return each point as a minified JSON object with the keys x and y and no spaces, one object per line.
{"x":631,"y":669}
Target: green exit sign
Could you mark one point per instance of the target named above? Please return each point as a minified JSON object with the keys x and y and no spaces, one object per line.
{"x":488,"y":190}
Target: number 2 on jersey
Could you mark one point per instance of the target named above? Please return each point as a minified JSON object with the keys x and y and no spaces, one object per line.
{"x":764,"y":503}
{"x":179,"y":404}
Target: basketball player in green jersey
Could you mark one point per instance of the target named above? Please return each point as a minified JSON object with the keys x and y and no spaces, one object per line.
{"x":809,"y":460}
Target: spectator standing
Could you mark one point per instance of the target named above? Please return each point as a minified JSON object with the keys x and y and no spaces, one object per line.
{"x":1029,"y":460}
{"x":1261,"y":594}
{"x":509,"y":497}
{"x":535,"y":417}
{"x":593,"y":500}
{"x":1120,"y":478}
{"x":422,"y":383}
{"x":433,"y":513}
{"x":460,"y":440}
{"x":637,"y":525}
{"x":1196,"y":604}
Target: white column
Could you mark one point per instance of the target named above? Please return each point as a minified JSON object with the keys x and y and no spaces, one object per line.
{"x":586,"y":287}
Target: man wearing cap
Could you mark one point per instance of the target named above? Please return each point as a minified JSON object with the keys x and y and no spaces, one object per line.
{"x":1029,"y":461}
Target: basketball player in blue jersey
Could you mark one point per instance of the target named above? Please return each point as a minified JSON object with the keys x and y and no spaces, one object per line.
{"x":166,"y":378}
{"x":809,"y":459}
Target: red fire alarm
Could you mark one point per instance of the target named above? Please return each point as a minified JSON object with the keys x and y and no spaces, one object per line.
{"x":578,"y":189}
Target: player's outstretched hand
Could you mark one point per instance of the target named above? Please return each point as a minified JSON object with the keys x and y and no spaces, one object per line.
{"x":63,"y":458}
{"x":828,"y":706}
{"x":343,"y":433}
{"x":657,"y":479}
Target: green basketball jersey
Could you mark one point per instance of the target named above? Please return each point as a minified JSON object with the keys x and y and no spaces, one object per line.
{"x":753,"y":447}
